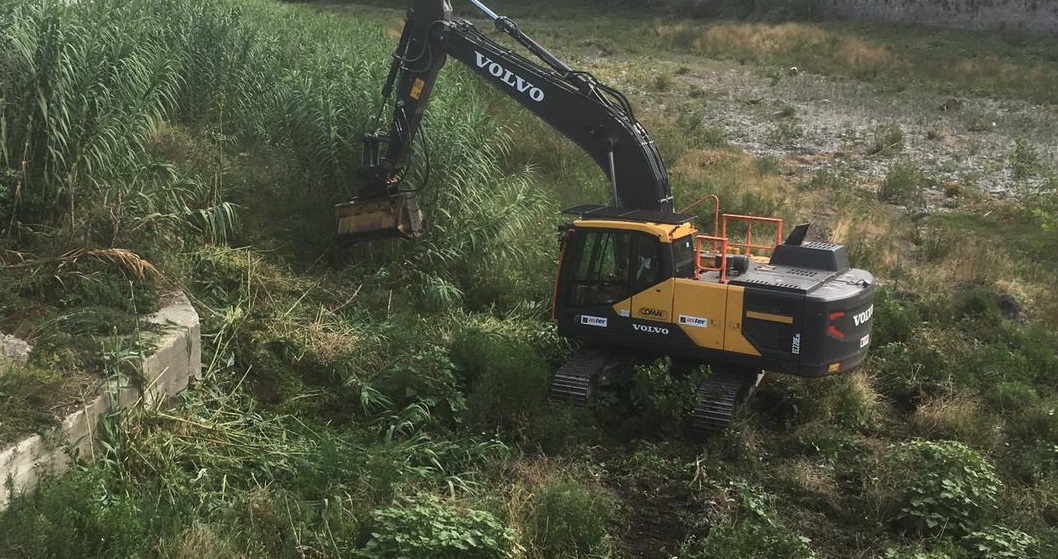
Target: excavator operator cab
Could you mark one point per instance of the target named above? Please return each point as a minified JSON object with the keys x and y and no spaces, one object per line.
{"x":613,"y":255}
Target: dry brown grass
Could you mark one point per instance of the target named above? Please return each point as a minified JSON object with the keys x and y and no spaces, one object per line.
{"x":960,"y":416}
{"x":813,"y":477}
{"x":739,"y":181}
{"x":66,"y":263}
{"x":762,"y":42}
{"x":852,"y":51}
{"x":198,"y":542}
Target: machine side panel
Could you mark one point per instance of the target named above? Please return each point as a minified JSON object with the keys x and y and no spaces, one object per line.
{"x":700,"y":310}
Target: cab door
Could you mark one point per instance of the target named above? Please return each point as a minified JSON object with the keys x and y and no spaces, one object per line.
{"x":593,"y":290}
{"x":652,"y":289}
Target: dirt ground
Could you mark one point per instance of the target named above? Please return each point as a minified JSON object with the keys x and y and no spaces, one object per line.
{"x":820,"y":122}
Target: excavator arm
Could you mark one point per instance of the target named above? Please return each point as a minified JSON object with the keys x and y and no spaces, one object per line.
{"x":595,"y":117}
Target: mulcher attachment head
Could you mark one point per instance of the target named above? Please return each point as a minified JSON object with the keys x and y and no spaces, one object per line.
{"x":363,"y":219}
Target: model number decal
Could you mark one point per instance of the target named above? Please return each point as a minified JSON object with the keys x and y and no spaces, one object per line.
{"x":695,"y":321}
{"x":865,"y":341}
{"x":593,"y":321}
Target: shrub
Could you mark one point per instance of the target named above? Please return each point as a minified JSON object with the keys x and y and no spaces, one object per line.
{"x":1025,"y":160}
{"x":998,"y":542}
{"x":944,"y":486}
{"x":570,"y":520}
{"x":427,"y":377}
{"x":78,"y":517}
{"x":902,"y":184}
{"x":894,"y":320}
{"x":750,"y":539}
{"x":914,"y":553}
{"x":888,"y":140}
{"x":787,"y":130}
{"x":977,"y":303}
{"x":507,"y":381}
{"x":908,"y":372}
{"x":661,"y":397}
{"x":427,"y":528}
{"x":1012,"y":396}
{"x":755,"y":536}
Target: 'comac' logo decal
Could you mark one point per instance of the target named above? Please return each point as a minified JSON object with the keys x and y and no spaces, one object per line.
{"x":652,"y":313}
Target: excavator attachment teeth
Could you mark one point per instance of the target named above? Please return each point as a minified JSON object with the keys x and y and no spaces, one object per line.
{"x":364,"y":219}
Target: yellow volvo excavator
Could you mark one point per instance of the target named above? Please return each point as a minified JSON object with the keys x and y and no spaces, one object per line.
{"x":635,"y":280}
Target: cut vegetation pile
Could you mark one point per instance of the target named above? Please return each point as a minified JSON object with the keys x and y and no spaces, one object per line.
{"x":388,"y":400}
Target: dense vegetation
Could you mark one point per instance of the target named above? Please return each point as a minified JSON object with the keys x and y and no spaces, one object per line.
{"x":388,"y":400}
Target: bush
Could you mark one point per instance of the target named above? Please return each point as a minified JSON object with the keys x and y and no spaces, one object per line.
{"x":888,"y":140}
{"x":507,"y":381}
{"x":570,"y":520}
{"x":425,"y":377}
{"x":976,"y":303}
{"x":902,"y":184}
{"x":78,"y":517}
{"x":914,"y":553}
{"x":1025,"y":160}
{"x":661,"y":398}
{"x":750,"y":539}
{"x":909,"y":372}
{"x":427,"y":528}
{"x":894,"y":320}
{"x":755,"y":536}
{"x":998,"y":542}
{"x":943,"y":487}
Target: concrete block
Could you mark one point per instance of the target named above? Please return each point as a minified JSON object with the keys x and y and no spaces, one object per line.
{"x":166,"y":370}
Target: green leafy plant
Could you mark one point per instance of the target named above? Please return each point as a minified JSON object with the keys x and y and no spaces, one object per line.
{"x":506,"y":380}
{"x":787,"y":130}
{"x":895,"y":320}
{"x":754,"y":534}
{"x":946,"y":487}
{"x":662,"y":395}
{"x":997,"y":542}
{"x":429,"y":528}
{"x":914,"y":553}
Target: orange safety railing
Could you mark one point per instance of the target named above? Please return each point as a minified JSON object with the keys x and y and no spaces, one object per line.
{"x":721,"y":245}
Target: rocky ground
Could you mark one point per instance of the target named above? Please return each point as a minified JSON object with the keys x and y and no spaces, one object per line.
{"x":820,"y":122}
{"x":12,"y":348}
{"x":965,"y":140}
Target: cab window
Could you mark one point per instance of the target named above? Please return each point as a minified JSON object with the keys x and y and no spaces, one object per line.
{"x":601,"y":275}
{"x":612,"y":265}
{"x":683,"y":257}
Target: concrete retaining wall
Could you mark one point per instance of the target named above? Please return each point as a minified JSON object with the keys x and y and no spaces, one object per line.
{"x":177,"y":357}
